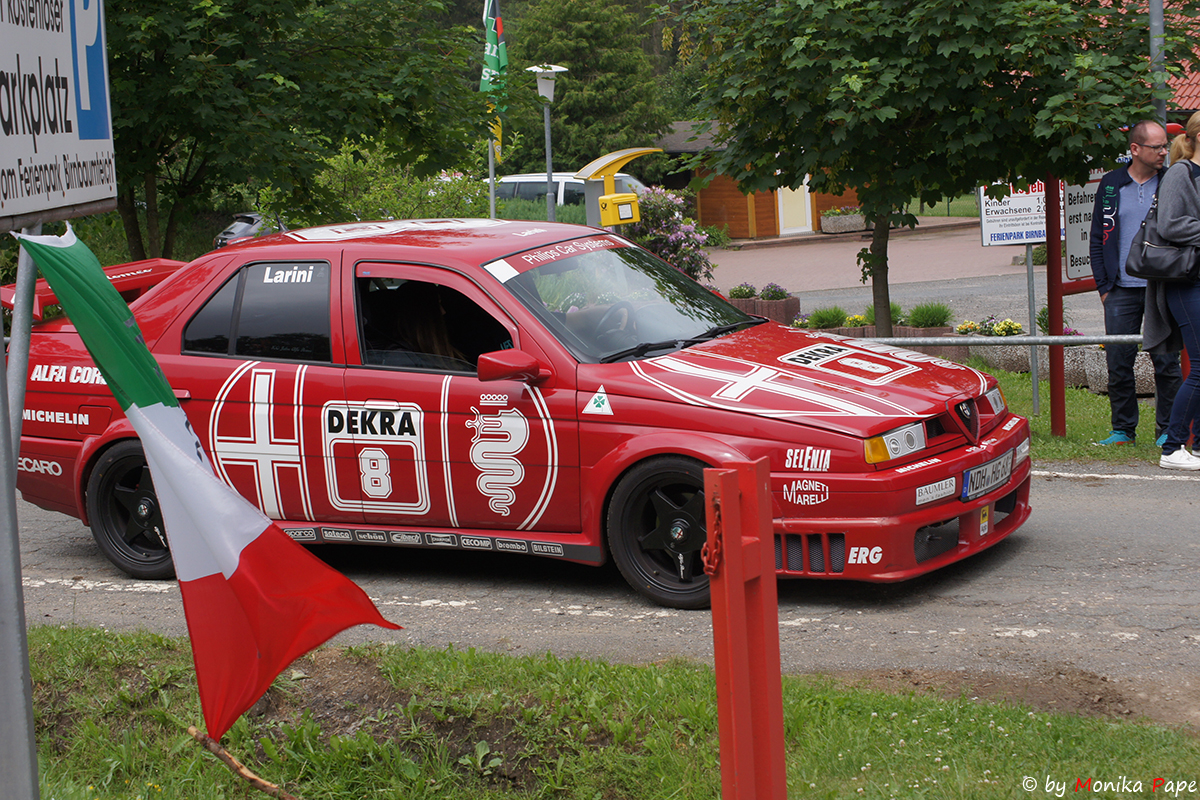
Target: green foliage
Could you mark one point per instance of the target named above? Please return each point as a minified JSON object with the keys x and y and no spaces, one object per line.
{"x":210,"y":93}
{"x":743,"y":291}
{"x":718,"y":235}
{"x":841,"y":211}
{"x":830,"y":317}
{"x":897,"y":314}
{"x":365,"y":183}
{"x":665,"y":231}
{"x":608,"y":99}
{"x":930,"y":315}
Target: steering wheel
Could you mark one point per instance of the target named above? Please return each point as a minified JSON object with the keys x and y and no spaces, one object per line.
{"x":619,"y":313}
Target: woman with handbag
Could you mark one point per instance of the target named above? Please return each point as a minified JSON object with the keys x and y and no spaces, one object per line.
{"x":1173,"y":309}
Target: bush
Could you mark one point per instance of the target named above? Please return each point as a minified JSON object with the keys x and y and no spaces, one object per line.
{"x":897,"y":314}
{"x":831,"y":317}
{"x":666,"y":232}
{"x":991,"y":327}
{"x":718,"y":235}
{"x":773,"y":291}
{"x":1043,"y":323}
{"x":516,"y":208}
{"x":930,"y":315}
{"x":855,"y":321}
{"x":362,"y":182}
{"x":844,"y":211}
{"x":743,"y":291}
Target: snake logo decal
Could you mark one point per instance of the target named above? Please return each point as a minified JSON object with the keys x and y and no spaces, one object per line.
{"x":498,"y":439}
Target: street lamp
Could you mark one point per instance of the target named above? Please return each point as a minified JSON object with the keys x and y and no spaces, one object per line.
{"x":545,"y":87}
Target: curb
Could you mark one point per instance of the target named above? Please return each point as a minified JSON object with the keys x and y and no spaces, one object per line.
{"x":817,"y":237}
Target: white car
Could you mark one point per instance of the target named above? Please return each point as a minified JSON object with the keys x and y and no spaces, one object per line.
{"x":569,"y":189}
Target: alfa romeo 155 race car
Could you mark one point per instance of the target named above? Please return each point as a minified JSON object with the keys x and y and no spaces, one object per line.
{"x":520,"y":387}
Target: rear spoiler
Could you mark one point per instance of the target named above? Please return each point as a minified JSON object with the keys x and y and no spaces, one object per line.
{"x":132,"y":280}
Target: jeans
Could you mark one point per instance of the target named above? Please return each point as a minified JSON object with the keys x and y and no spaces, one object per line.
{"x":1184,"y":301}
{"x":1123,"y":310}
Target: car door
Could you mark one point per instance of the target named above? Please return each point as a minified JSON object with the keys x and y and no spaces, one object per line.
{"x":256,"y":371}
{"x":437,"y":446}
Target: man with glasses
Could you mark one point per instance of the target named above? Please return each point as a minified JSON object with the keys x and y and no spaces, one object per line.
{"x":1122,"y":200}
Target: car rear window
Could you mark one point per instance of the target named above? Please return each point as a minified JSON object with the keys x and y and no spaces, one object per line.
{"x":267,"y":310}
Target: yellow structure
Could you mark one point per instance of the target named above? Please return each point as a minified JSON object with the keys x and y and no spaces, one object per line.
{"x":612,"y":207}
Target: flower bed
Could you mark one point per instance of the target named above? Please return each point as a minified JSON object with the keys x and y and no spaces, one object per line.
{"x":843,"y":223}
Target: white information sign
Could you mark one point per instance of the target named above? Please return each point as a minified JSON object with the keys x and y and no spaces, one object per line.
{"x":1078,"y":203}
{"x":56,"y":147}
{"x":1019,"y":218}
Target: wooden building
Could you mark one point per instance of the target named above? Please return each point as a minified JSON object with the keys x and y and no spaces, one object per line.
{"x":759,"y":215}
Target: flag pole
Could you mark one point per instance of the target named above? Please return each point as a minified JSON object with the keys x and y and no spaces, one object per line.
{"x":18,"y":748}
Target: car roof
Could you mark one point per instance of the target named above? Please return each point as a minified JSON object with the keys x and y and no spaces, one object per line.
{"x":465,"y":241}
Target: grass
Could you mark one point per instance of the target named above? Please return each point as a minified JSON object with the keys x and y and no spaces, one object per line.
{"x":965,"y":206}
{"x":391,"y":722}
{"x":1088,"y":419}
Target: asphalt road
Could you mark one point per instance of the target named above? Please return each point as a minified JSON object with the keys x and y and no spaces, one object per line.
{"x":1102,"y":578}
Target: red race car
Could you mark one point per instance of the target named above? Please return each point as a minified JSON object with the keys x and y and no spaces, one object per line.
{"x":522,"y":387}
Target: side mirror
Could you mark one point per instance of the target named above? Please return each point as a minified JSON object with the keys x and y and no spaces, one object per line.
{"x":511,"y":365}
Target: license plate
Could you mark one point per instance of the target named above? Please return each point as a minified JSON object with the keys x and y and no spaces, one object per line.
{"x":980,"y":480}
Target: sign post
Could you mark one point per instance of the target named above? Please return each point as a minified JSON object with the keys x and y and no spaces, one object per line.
{"x":56,"y":162}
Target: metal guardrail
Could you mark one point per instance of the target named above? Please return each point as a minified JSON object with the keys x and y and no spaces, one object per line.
{"x":1010,"y":341}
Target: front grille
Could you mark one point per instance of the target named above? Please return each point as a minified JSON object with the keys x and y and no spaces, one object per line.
{"x":806,"y":553}
{"x":933,"y":540}
{"x":968,"y":415}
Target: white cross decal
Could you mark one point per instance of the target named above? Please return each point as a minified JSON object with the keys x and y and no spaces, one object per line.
{"x":262,"y":449}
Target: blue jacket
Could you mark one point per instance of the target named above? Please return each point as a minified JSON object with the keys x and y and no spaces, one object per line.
{"x":1103,"y":242}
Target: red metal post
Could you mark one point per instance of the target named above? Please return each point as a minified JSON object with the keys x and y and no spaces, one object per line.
{"x":740,"y":560}
{"x":1054,"y":302}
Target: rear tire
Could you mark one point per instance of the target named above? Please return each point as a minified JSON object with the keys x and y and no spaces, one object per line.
{"x":125,"y":515}
{"x":656,"y":528}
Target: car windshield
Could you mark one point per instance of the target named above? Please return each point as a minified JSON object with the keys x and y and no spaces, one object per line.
{"x":621,"y":303}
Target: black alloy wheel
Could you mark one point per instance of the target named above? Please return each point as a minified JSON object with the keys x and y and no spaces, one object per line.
{"x":125,"y":515}
{"x":656,"y":529}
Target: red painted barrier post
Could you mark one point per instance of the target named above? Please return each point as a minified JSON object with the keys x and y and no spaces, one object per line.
{"x":740,"y":561}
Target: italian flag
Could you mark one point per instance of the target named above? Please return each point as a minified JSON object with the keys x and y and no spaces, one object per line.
{"x":254,"y":600}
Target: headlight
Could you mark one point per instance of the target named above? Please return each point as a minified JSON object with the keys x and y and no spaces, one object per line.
{"x":995,"y":398}
{"x":896,"y":444}
{"x":1021,"y":452}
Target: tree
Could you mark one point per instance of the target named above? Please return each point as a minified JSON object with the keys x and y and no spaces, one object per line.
{"x":607,"y":100}
{"x":904,"y":99}
{"x":211,"y":93}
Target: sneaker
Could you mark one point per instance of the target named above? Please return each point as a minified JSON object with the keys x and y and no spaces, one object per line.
{"x":1116,"y":437}
{"x":1160,"y":441}
{"x":1180,"y":459}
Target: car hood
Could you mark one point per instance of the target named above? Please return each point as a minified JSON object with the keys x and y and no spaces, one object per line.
{"x":773,"y":371}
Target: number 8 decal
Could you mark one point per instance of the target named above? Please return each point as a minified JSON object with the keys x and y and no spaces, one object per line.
{"x":376,"y":472}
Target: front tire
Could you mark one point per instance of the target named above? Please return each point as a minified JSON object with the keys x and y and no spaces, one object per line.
{"x":656,"y":528}
{"x":125,"y":515}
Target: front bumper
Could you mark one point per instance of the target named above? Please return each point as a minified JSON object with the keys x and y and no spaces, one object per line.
{"x":882,"y":527}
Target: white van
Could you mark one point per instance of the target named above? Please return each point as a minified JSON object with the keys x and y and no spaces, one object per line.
{"x":570,"y":190}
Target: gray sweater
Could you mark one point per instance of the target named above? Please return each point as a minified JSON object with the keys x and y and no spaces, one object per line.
{"x":1178,"y":222}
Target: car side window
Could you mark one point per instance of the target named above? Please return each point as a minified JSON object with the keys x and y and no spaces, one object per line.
{"x":572,"y":193}
{"x":275,"y":310}
{"x":534,"y":190}
{"x":422,"y":325}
